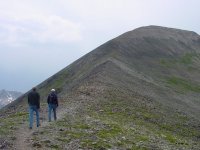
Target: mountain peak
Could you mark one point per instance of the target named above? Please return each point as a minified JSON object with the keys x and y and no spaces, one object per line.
{"x":159,"y":32}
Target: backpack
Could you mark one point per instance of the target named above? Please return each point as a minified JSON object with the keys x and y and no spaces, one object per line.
{"x":52,"y":99}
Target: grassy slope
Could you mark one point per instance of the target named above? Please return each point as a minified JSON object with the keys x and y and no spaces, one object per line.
{"x":117,"y":117}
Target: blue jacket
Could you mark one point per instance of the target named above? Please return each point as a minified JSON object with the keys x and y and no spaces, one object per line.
{"x":52,"y":99}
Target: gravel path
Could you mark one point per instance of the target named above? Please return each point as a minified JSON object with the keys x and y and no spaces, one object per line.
{"x":24,"y":134}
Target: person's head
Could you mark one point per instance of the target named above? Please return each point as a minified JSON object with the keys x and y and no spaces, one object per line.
{"x":34,"y":88}
{"x":53,"y":90}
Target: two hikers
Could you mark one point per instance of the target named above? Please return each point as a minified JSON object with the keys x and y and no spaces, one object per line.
{"x":34,"y":105}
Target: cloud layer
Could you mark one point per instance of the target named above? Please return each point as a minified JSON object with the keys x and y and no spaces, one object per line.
{"x":38,"y":29}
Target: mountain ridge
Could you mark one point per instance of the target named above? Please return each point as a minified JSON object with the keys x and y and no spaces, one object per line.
{"x":133,"y":92}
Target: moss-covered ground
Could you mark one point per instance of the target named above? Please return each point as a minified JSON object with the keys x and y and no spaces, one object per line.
{"x":120,"y":122}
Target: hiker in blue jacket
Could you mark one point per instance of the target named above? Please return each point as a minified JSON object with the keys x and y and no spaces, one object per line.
{"x":34,"y":105}
{"x":52,"y":101}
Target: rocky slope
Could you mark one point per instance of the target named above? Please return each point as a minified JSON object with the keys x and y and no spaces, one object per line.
{"x":138,"y":91}
{"x":7,"y":97}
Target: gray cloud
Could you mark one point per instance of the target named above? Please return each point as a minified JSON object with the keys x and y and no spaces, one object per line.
{"x":41,"y":29}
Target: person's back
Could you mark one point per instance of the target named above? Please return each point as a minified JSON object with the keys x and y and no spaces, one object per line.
{"x":34,"y":106}
{"x":52,"y":98}
{"x":34,"y":99}
{"x":52,"y":101}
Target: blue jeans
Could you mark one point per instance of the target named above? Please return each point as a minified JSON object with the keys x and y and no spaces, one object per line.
{"x":33,"y":108}
{"x":52,"y":107}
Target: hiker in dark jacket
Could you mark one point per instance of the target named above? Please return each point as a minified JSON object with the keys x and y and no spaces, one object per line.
{"x":34,"y":105}
{"x":52,"y":101}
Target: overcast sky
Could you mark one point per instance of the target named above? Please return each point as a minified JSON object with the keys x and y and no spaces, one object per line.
{"x":40,"y":37}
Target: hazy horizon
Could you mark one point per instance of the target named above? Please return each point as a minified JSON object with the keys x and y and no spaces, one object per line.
{"x":39,"y":38}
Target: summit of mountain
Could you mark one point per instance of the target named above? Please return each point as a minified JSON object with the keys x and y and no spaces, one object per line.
{"x":161,"y":33}
{"x":139,"y":90}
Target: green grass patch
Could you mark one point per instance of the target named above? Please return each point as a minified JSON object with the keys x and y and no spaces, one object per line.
{"x":171,"y":138}
{"x":19,"y":114}
{"x":140,"y":148}
{"x":62,"y":123}
{"x":55,"y":147}
{"x":91,"y":144}
{"x":167,"y":63}
{"x":186,"y":58}
{"x":73,"y":134}
{"x":111,"y":131}
{"x":11,"y":123}
{"x":64,"y":140}
{"x":183,"y":84}
{"x":143,"y":138}
{"x":82,"y":126}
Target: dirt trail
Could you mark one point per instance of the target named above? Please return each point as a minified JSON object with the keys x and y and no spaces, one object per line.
{"x":24,"y":134}
{"x":23,"y":138}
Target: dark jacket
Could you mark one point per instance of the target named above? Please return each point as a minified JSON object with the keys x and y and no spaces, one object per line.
{"x":52,"y":99}
{"x":34,"y":99}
